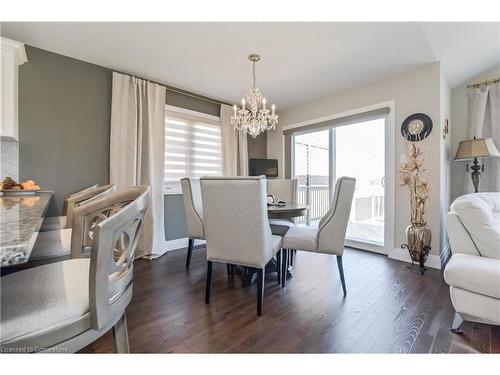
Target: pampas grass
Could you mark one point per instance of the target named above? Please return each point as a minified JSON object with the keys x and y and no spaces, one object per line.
{"x":413,"y":175}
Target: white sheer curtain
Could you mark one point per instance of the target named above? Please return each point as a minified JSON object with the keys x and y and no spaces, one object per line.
{"x":484,"y":122}
{"x":137,"y":151}
{"x":234,"y":146}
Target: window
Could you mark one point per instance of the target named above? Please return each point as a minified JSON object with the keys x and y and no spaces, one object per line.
{"x":192,"y":146}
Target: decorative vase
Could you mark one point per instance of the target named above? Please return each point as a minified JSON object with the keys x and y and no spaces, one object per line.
{"x":419,"y":238}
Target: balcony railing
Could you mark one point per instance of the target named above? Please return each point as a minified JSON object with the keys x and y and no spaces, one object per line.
{"x":364,"y":206}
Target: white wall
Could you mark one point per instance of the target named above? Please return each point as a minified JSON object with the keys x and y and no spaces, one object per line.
{"x":415,"y":91}
{"x":458,"y":125}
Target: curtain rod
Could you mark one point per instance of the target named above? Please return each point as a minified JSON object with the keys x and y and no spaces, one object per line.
{"x":491,"y":82}
{"x":179,"y":91}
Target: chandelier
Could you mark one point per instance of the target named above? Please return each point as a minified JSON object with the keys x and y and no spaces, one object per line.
{"x":254,"y":118}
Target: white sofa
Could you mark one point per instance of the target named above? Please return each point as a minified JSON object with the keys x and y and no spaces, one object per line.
{"x":473,"y":272}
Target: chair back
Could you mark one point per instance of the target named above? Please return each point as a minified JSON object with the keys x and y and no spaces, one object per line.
{"x":72,"y":195}
{"x":284,"y":189}
{"x":191,"y":193}
{"x":235,"y":218}
{"x":84,"y":198}
{"x":332,"y":227}
{"x":117,"y":221}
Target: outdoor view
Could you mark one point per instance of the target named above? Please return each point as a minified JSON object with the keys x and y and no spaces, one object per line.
{"x":358,"y":151}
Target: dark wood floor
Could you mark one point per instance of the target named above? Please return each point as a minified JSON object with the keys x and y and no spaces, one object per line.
{"x":388,"y":309}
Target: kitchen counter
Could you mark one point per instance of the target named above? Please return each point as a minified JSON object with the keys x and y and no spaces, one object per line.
{"x":20,"y":221}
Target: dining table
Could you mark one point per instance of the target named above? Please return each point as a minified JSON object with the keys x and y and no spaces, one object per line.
{"x":21,"y":217}
{"x":287,"y":210}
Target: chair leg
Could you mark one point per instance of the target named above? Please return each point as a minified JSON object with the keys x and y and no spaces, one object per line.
{"x":456,"y":323}
{"x":260,"y":290}
{"x":190,"y":252}
{"x":278,"y":266}
{"x":120,"y":335}
{"x":290,"y":257}
{"x":341,"y":271}
{"x":284,"y":266}
{"x":209,"y":282}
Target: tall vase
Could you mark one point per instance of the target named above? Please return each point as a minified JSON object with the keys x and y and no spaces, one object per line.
{"x":419,"y":238}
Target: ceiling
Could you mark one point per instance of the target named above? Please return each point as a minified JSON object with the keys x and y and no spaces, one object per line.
{"x":300,"y":61}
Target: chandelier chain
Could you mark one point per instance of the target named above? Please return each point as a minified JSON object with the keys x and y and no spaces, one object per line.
{"x":254,"y":75}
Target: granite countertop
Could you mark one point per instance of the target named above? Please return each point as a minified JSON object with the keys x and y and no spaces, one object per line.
{"x":20,"y":220}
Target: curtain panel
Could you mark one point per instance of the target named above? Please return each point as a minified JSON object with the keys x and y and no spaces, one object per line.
{"x":234,"y":146}
{"x":137,"y":151}
{"x":484,"y":122}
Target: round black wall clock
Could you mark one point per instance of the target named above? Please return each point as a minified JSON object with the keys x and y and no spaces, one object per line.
{"x":416,"y":127}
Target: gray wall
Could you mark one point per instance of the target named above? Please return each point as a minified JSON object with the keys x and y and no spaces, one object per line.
{"x":64,"y":123}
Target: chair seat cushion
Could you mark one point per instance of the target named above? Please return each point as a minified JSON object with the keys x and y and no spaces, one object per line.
{"x":54,"y":243}
{"x":43,"y":299}
{"x":279,"y":227}
{"x":474,"y":273}
{"x":276,"y":244}
{"x":53,"y":223}
{"x":301,"y":238}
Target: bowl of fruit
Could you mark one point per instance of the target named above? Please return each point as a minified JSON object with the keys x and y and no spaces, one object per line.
{"x":10,"y":187}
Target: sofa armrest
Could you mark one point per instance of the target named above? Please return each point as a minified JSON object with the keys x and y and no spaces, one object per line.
{"x":460,"y":240}
{"x":474,"y":273}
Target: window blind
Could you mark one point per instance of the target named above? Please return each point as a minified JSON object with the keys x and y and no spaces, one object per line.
{"x":192,"y":148}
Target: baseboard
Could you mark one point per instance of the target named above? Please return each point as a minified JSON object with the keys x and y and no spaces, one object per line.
{"x":433,"y":261}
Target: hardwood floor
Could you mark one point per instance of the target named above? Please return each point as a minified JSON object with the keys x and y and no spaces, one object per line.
{"x":388,"y":309}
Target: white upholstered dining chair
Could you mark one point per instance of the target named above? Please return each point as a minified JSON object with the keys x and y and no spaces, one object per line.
{"x":65,"y":306}
{"x":329,"y":236}
{"x":191,"y":194}
{"x":236,"y":226}
{"x":285,"y":190}
{"x":57,"y":243}
{"x":61,"y":222}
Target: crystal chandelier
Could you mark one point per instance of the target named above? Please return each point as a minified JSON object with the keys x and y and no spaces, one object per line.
{"x":254,"y":118}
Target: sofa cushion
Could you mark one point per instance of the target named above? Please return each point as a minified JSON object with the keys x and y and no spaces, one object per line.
{"x":45,"y":298}
{"x":483,"y":226}
{"x":475,"y":274}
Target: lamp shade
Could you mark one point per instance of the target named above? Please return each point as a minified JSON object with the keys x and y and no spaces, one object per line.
{"x":476,"y":148}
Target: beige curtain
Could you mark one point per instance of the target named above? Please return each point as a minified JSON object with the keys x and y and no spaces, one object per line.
{"x":483,"y":122}
{"x":234,"y":146}
{"x":137,"y":151}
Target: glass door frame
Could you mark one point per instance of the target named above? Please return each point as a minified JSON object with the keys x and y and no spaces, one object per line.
{"x":389,"y":177}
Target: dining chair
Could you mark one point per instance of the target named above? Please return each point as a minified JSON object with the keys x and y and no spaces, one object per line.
{"x":329,"y":236}
{"x":57,"y":243}
{"x":191,"y":193}
{"x":285,"y":190}
{"x":237,"y":229}
{"x":59,"y":222}
{"x":65,"y":306}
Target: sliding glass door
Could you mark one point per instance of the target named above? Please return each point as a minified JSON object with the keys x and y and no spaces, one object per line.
{"x":357,"y":149}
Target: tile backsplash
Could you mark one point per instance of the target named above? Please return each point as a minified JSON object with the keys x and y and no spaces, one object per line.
{"x":9,"y":159}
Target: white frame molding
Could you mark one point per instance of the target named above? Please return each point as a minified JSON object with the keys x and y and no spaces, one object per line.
{"x":390,"y":171}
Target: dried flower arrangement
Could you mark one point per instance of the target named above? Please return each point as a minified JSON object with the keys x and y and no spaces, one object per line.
{"x":416,"y":178}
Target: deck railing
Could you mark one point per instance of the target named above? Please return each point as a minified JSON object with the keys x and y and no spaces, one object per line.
{"x":317,"y":197}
